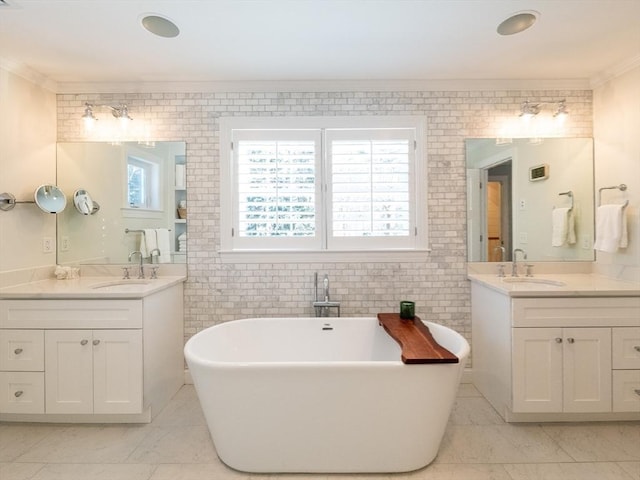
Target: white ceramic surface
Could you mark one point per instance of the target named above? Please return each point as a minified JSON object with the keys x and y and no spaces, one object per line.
{"x":321,"y":395}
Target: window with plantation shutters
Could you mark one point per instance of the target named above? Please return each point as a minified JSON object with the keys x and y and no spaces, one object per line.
{"x":322,"y":184}
{"x":277,"y":188}
{"x":371,"y":188}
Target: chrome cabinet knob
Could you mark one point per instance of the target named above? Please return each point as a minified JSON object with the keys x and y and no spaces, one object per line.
{"x":558,"y":340}
{"x":637,"y":391}
{"x":570,"y":340}
{"x":18,"y":393}
{"x":84,"y":342}
{"x":96,"y":342}
{"x":637,"y":348}
{"x":18,"y":351}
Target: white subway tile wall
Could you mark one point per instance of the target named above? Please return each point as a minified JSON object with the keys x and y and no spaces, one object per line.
{"x":217,"y":292}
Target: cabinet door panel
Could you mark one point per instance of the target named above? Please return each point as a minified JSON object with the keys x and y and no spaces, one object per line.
{"x":68,"y":371}
{"x":587,"y":368}
{"x":537,"y":373}
{"x":117,"y":371}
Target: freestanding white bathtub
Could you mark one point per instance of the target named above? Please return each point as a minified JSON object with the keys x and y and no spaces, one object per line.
{"x":326,"y":395}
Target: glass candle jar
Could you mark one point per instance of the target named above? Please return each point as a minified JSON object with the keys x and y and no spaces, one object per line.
{"x":407,"y":310}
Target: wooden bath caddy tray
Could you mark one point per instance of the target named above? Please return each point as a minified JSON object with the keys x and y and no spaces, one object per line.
{"x":415,"y":339}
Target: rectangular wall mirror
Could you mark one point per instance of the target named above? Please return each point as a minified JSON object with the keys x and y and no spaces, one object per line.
{"x":116,"y":191}
{"x":513,"y":188}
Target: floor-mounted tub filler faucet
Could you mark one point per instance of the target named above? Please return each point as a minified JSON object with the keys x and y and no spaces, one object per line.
{"x":514,"y":265}
{"x":322,"y":303}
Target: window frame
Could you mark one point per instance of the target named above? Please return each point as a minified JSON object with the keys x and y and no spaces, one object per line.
{"x":230,"y":251}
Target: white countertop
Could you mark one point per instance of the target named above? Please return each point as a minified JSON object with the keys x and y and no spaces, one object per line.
{"x":89,"y":288}
{"x":574,"y":285}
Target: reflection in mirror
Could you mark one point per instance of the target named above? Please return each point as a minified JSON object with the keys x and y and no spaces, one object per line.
{"x":139,"y":187}
{"x":517,"y":197}
{"x":83,"y":202}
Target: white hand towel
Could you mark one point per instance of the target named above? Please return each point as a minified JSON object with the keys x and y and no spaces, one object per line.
{"x":148,"y":242}
{"x":562,"y":227}
{"x":162,"y":235}
{"x":611,"y":228}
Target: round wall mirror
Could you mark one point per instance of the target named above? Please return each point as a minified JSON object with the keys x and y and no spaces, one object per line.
{"x":82,"y":201}
{"x":50,"y":198}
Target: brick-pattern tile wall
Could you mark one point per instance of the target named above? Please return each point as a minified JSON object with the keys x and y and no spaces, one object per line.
{"x":217,"y":292}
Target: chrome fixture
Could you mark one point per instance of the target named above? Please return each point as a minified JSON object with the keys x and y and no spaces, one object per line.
{"x":322,"y":305}
{"x":503,"y":252}
{"x":121,"y":112}
{"x":514,"y":265}
{"x":518,"y":22}
{"x":49,"y":198}
{"x":141,"y":269}
{"x":529,"y":110}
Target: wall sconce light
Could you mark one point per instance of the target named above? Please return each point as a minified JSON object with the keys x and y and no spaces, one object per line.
{"x":530,"y":110}
{"x":121,"y":112}
{"x":561,"y":113}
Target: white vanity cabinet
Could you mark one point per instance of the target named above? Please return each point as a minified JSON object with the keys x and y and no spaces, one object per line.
{"x":556,"y":358}
{"x":90,"y":360}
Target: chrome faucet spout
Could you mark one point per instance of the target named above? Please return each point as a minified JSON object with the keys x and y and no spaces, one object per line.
{"x":322,"y":303}
{"x":514,"y":265}
{"x":325,"y":283}
{"x":141,"y":270}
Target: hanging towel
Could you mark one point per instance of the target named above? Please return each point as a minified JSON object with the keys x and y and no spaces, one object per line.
{"x":148,"y":242}
{"x":162,"y":237}
{"x":563,"y":230}
{"x":611,"y":228}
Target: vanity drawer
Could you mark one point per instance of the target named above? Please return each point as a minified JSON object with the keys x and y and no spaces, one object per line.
{"x":576,"y":312}
{"x":85,"y":314}
{"x":626,"y":390}
{"x":21,"y":392}
{"x":22,"y":350}
{"x":626,"y":347}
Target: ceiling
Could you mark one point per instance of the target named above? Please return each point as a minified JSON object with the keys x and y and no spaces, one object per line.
{"x":102,"y":41}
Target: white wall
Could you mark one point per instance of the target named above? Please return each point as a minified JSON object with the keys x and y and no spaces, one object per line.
{"x":616,"y":107}
{"x":27,"y":160}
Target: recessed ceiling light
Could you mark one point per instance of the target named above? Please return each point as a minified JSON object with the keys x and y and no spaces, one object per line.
{"x":161,"y":26}
{"x":518,"y":22}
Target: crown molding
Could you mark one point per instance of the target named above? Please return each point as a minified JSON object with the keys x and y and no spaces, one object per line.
{"x":323,"y":86}
{"x":614,"y":71}
{"x":28,"y":74}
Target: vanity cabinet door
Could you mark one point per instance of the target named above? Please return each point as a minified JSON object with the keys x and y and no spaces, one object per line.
{"x":68,"y":371}
{"x":561,"y":370}
{"x":117,"y":371}
{"x":93,"y":371}
{"x":587,"y":369}
{"x":537,"y":370}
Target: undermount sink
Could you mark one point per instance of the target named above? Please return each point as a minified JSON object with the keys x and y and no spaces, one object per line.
{"x":538,"y":281}
{"x":121,"y":284}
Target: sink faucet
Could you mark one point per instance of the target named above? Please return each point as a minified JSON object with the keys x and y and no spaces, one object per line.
{"x":141,"y":271}
{"x":155,"y":251}
{"x":503,"y":252}
{"x":514,"y":265}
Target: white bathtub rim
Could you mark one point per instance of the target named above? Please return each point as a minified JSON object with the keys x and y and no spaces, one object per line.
{"x":462,"y":353}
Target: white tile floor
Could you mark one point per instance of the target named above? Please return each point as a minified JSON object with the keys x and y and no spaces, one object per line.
{"x":478,"y":445}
